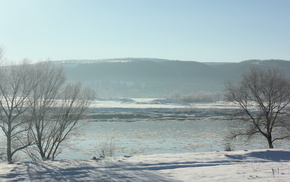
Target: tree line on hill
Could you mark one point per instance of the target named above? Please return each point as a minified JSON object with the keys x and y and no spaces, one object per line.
{"x":145,"y":77}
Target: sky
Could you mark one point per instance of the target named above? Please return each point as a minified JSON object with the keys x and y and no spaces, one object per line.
{"x":189,"y":30}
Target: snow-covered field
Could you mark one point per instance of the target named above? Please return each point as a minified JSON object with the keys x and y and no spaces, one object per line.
{"x":254,"y":165}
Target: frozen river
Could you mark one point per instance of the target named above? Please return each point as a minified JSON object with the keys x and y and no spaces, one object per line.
{"x":147,"y":126}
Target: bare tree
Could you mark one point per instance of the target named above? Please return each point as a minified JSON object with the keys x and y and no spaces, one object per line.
{"x":15,"y":88}
{"x":55,"y":108}
{"x":49,"y":80}
{"x":37,"y":107}
{"x":72,"y":105}
{"x":262,"y":95}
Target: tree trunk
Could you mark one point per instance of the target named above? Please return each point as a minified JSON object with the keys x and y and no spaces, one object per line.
{"x":9,"y":152}
{"x":41,"y":152}
{"x":270,"y":142}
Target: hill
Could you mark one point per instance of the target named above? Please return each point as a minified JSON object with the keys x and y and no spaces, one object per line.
{"x":146,"y":77}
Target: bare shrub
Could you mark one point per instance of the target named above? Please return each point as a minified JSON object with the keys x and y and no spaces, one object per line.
{"x":107,"y":149}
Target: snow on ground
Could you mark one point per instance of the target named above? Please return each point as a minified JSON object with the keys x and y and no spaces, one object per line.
{"x":254,"y":165}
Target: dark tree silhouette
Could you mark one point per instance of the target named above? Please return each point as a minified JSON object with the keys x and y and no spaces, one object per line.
{"x":263,"y":96}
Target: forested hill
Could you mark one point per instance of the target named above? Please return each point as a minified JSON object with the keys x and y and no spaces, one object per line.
{"x":145,"y":77}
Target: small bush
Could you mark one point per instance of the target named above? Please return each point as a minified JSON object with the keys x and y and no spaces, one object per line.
{"x":228,"y":147}
{"x":107,"y":149}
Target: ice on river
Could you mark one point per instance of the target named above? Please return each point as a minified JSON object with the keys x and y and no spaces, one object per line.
{"x":152,"y":126}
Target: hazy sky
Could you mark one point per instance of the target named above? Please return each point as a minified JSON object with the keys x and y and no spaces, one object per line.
{"x":198,"y":30}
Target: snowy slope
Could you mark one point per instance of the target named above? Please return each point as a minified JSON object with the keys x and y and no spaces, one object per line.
{"x":255,"y":165}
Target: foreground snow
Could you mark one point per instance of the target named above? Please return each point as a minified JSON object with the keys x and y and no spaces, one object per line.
{"x":254,"y":165}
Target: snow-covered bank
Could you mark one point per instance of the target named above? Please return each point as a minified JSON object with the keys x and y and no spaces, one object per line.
{"x":254,"y":165}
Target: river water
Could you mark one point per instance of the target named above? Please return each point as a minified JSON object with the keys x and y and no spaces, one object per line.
{"x":154,"y":127}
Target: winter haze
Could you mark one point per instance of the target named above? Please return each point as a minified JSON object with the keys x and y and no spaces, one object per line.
{"x":148,"y":77}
